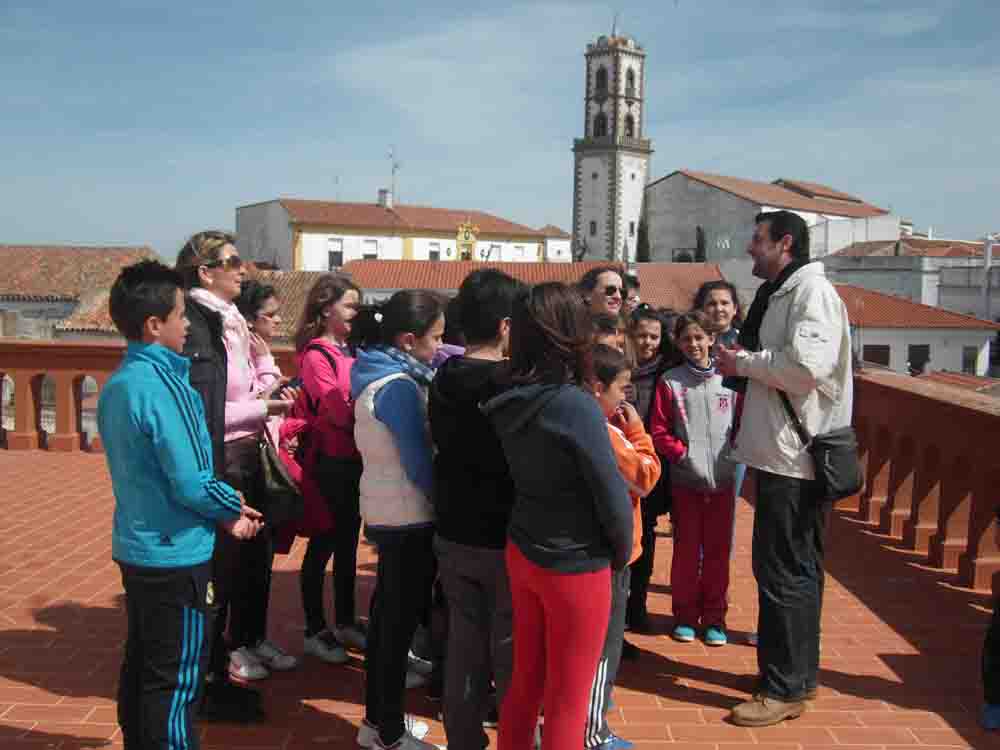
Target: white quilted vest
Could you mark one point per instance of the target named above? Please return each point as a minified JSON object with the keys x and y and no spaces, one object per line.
{"x":388,"y":497}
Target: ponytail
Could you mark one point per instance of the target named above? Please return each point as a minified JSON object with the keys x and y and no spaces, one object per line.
{"x":409,"y":311}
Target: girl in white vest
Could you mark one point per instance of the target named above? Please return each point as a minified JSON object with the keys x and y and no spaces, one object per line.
{"x":389,"y":383}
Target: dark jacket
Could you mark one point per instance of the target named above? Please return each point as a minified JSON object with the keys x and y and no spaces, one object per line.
{"x":207,"y":352}
{"x":571,"y":512}
{"x":473,"y":490}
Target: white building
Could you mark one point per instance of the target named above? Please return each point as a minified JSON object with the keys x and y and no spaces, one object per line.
{"x":909,"y":337}
{"x":308,"y":235}
{"x":611,"y":161}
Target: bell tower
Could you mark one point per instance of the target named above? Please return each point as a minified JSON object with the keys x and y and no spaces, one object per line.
{"x":611,"y":161}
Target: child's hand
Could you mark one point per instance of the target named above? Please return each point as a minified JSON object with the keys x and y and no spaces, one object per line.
{"x":629,"y":416}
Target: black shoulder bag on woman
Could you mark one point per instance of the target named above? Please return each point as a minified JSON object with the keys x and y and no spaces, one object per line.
{"x":835,"y":457}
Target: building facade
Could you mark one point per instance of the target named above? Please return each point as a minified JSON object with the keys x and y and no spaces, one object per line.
{"x":306,"y":235}
{"x":611,"y":160}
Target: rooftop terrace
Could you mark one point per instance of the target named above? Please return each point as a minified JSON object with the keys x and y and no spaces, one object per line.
{"x":910,"y":567}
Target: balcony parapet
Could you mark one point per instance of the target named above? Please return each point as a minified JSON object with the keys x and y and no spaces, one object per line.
{"x":932,"y":464}
{"x":66,"y":364}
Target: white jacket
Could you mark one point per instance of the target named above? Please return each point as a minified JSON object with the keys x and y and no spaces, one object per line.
{"x":805,"y":341}
{"x":388,"y":497}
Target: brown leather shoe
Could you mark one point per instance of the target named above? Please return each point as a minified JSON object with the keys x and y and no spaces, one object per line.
{"x":810,"y":695}
{"x":763,"y":711}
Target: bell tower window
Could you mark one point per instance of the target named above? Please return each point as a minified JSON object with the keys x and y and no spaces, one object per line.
{"x":601,"y":81}
{"x":629,"y":126}
{"x":600,"y":125}
{"x":630,"y":83}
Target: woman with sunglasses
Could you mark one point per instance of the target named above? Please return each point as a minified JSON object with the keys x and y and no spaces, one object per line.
{"x":603,"y":290}
{"x":237,"y":406}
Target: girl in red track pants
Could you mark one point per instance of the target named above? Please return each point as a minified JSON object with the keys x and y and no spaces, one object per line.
{"x":703,"y":528}
{"x":560,"y":620}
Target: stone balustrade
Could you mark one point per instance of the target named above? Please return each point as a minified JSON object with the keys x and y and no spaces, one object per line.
{"x":931,"y":452}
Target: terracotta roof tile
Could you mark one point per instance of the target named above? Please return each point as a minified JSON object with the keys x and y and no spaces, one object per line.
{"x":914,"y":247}
{"x":816,"y":190}
{"x":400,"y":217}
{"x":552,"y":231}
{"x":62,"y":272}
{"x":771,"y":194}
{"x":870,"y":309}
{"x":990,"y":386}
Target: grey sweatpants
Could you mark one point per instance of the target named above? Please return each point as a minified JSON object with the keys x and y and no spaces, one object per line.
{"x":597,"y":730}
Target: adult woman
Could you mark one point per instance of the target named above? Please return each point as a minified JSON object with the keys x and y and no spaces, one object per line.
{"x":389,"y":383}
{"x":332,"y":464}
{"x":603,"y":290}
{"x":259,"y":305}
{"x":571,"y":521}
{"x":237,"y":406}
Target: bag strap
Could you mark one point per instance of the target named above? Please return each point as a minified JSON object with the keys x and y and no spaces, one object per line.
{"x":310,"y":404}
{"x":794,"y":418}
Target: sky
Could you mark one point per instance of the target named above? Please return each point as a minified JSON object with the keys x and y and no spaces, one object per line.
{"x":143,"y":122}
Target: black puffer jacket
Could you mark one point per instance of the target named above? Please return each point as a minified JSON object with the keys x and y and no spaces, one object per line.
{"x":207,"y":352}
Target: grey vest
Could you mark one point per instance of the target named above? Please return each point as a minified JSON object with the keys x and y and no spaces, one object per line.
{"x":703,"y":417}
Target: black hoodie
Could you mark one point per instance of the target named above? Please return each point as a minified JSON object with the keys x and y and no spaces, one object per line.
{"x":473,"y":491}
{"x":572,"y":512}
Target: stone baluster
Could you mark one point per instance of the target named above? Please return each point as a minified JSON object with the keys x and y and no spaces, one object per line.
{"x":66,"y":436}
{"x":27,"y":407}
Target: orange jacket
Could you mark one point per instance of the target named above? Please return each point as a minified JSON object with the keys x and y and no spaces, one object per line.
{"x":640,"y":467}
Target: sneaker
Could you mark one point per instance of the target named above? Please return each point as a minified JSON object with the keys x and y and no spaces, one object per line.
{"x":752,"y":638}
{"x":224,"y":701}
{"x":415,"y":679}
{"x":244,"y":665}
{"x":715,"y":635}
{"x":368,"y":734}
{"x":684,"y":634}
{"x":324,"y":645}
{"x":990,"y":717}
{"x":406,"y":742}
{"x":353,"y":636}
{"x":764,"y":711}
{"x":273,"y":657}
{"x":420,"y":665}
{"x":614,"y":742}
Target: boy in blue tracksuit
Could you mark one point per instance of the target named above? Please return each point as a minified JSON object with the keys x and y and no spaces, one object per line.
{"x":167,"y":505}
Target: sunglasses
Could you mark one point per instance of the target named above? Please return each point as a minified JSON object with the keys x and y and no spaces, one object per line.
{"x":232,"y":263}
{"x":611,"y":290}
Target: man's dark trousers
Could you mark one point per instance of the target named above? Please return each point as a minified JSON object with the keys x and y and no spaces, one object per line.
{"x":991,"y":658}
{"x":166,"y":654}
{"x":788,"y":529}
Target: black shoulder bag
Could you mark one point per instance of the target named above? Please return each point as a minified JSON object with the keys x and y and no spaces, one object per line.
{"x":835,"y":457}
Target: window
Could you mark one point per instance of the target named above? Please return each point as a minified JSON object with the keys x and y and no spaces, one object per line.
{"x":631,"y":229}
{"x":600,"y":125}
{"x":519,"y":252}
{"x":629,"y":126}
{"x":630,"y":83}
{"x":601,"y":80}
{"x":917,"y":356}
{"x":593,"y":176}
{"x":593,"y":229}
{"x":369,"y":249}
{"x":970,"y":358}
{"x":877,"y":354}
{"x":493,"y":253}
{"x":334,"y":253}
{"x":434,"y":251}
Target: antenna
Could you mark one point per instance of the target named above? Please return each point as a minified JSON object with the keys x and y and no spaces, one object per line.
{"x":394,"y":167}
{"x":614,"y":26}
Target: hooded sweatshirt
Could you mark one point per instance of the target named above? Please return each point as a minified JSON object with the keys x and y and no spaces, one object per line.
{"x":571,"y":512}
{"x":473,"y":490}
{"x":391,"y":433}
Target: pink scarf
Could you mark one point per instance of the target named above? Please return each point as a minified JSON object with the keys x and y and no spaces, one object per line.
{"x":234,"y":328}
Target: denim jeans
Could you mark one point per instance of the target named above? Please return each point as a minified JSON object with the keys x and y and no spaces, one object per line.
{"x":788,"y":531}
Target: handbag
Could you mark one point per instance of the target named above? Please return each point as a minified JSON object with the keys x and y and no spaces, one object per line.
{"x":835,"y":457}
{"x":281,"y":495}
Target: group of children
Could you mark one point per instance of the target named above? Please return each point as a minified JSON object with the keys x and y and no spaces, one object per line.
{"x":453,"y":473}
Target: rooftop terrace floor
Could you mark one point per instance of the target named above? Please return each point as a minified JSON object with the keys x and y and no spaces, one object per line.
{"x":900,"y":664}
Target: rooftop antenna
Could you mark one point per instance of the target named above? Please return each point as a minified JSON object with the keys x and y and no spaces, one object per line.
{"x":614,"y":26}
{"x":394,"y":166}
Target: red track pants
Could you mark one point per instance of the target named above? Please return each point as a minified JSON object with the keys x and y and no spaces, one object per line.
{"x":703,"y":537}
{"x":560,"y":620}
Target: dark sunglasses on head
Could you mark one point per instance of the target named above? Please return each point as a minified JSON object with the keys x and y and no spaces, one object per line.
{"x":231,"y":263}
{"x":611,"y":290}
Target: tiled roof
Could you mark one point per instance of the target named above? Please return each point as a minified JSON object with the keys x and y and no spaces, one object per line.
{"x":870,"y":309}
{"x":815,"y":190}
{"x":914,"y":247}
{"x":989,"y":386}
{"x":554,"y":232}
{"x":663,"y":285}
{"x":771,"y":194}
{"x":400,"y":218}
{"x":61,"y":272}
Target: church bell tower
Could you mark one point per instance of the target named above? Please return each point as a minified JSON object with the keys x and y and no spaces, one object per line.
{"x":611,"y":161}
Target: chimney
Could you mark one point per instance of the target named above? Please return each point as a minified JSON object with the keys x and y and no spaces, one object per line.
{"x":930,"y":233}
{"x":385,"y":198}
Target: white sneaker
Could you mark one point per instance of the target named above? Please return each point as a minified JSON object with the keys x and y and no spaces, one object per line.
{"x":415,"y":679}
{"x":419,"y":664}
{"x":406,"y":742}
{"x":368,"y":735}
{"x":273,"y":657}
{"x":352,"y":636}
{"x":325,"y":646}
{"x":243,"y":665}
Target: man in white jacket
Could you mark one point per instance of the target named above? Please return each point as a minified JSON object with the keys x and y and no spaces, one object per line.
{"x":796,"y":339}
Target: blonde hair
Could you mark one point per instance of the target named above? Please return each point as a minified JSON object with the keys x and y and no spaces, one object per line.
{"x":202,"y":248}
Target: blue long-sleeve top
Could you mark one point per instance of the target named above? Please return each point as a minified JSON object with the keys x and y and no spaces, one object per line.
{"x":159,"y":454}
